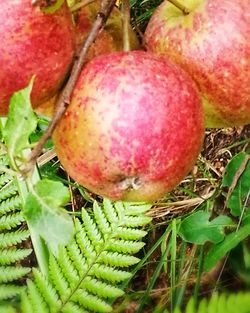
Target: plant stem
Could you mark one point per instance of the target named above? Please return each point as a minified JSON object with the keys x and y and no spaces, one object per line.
{"x":180,"y":6}
{"x":64,"y":98}
{"x":126,"y":24}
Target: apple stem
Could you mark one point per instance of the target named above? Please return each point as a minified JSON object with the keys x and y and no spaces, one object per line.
{"x":64,"y":98}
{"x":126,"y":24}
{"x":180,"y":6}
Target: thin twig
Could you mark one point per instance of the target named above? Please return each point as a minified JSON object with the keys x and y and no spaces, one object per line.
{"x":180,"y":6}
{"x":64,"y":98}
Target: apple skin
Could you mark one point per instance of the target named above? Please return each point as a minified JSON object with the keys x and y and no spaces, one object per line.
{"x":134,"y":127}
{"x":47,"y":108}
{"x":33,"y":43}
{"x":212,"y":44}
{"x":110,"y":38}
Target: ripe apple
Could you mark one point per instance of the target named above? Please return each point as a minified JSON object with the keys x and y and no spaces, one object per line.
{"x":110,"y":38}
{"x":212,"y":43}
{"x":33,"y":43}
{"x":47,"y":108}
{"x":134,"y":127}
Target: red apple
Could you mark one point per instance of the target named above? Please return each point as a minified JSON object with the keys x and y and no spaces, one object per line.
{"x":212,"y":43}
{"x":110,"y":38}
{"x":134,"y":127}
{"x":33,"y":43}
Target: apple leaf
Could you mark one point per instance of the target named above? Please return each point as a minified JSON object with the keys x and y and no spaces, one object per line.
{"x":44,"y":212}
{"x":197,"y":228}
{"x":239,"y":193}
{"x":219,"y":250}
{"x":21,"y":122}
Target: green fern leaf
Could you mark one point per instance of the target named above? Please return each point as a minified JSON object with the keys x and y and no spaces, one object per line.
{"x":73,"y":308}
{"x":117,"y":259}
{"x":58,"y":280}
{"x":8,"y":190}
{"x":13,"y":238}
{"x":91,"y":302}
{"x":47,"y":290}
{"x":86,"y":272}
{"x":5,"y":178}
{"x":125,"y":246}
{"x":220,"y":303}
{"x":7,"y":309}
{"x":38,"y":303}
{"x":101,"y":220}
{"x":109,"y":273}
{"x":26,"y":305}
{"x":11,"y":221}
{"x":136,"y":221}
{"x":10,"y":291}
{"x":13,"y":203}
{"x":11,"y":257}
{"x":8,"y":256}
{"x":130,"y":233}
{"x":11,"y":273}
{"x":91,"y":229}
{"x":101,"y":289}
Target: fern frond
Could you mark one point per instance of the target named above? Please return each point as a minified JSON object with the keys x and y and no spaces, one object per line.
{"x":101,"y":289}
{"x":11,"y":273}
{"x":126,"y":233}
{"x":47,"y":290}
{"x":8,"y":256}
{"x":9,"y":291}
{"x":125,"y":246}
{"x":109,"y":273}
{"x":86,"y":272}
{"x":8,"y":190}
{"x":117,"y":259}
{"x":5,"y":178}
{"x":11,"y":221}
{"x":11,"y":257}
{"x":221,"y":303}
{"x":37,"y":300}
{"x":7,"y":309}
{"x":13,"y":238}
{"x":10,"y":204}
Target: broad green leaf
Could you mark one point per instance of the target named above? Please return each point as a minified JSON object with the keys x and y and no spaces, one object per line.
{"x":44,"y":212}
{"x":198,"y":229}
{"x":219,"y":250}
{"x":241,"y":190}
{"x":21,"y":122}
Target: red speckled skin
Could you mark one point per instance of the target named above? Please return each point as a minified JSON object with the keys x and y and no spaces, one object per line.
{"x":213,"y":44}
{"x":134,"y":127}
{"x":33,"y":42}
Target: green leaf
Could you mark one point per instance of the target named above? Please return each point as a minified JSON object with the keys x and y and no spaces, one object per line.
{"x":21,"y":122}
{"x":44,"y":212}
{"x":198,"y":229}
{"x":219,"y":250}
{"x":53,"y":8}
{"x":242,"y":188}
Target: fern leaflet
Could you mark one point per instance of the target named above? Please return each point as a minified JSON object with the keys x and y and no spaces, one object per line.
{"x":85,"y":275}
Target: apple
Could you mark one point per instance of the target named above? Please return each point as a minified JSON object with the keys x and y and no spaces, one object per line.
{"x":212,"y":43}
{"x":134,"y":127}
{"x":33,"y":43}
{"x":47,"y":108}
{"x":110,"y":38}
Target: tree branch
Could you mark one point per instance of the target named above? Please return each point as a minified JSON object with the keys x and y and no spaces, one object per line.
{"x":64,"y":98}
